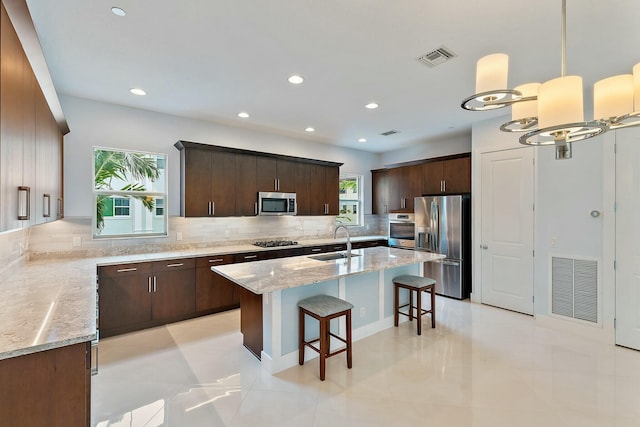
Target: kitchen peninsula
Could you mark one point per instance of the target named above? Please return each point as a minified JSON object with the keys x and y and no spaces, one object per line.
{"x":272,"y":289}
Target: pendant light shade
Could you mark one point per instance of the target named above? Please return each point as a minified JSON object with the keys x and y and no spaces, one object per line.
{"x":492,"y":73}
{"x":526,"y":109}
{"x":524,"y":113}
{"x":560,"y":101}
{"x":613,"y":97}
{"x":636,"y":88}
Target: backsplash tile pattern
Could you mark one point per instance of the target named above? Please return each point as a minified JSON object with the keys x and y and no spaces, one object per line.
{"x":72,"y":237}
{"x":14,"y":246}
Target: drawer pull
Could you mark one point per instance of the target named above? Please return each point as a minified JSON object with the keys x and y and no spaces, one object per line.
{"x":125,"y":270}
{"x":250,"y":256}
{"x":316,"y":249}
{"x":216,"y":260}
{"x":180,"y":264}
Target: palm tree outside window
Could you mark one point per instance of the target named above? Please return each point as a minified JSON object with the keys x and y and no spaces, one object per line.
{"x":129,"y":193}
{"x":350,"y":195}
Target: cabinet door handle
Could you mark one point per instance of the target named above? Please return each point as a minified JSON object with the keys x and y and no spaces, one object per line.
{"x":216,"y":260}
{"x":46,"y":205}
{"x":180,"y":264}
{"x":24,"y":203}
{"x":124,"y":270}
{"x":149,"y":284}
{"x":316,"y":249}
{"x":209,"y":208}
{"x":213,"y":208}
{"x":275,"y":185}
{"x":444,"y":186}
{"x":250,"y":256}
{"x":255,"y":208}
{"x":155,"y":284}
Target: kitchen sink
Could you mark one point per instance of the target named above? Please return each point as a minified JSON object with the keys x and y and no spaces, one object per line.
{"x":331,"y":256}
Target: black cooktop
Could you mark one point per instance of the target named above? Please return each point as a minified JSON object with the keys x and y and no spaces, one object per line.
{"x":275,"y":243}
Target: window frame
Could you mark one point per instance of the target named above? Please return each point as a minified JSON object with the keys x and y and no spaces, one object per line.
{"x":129,"y":195}
{"x":360,"y":200}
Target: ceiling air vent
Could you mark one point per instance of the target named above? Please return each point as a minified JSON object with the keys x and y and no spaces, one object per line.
{"x":389,"y":132}
{"x":437,"y":57}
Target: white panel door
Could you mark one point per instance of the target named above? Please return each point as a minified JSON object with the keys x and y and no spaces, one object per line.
{"x":628,"y":239}
{"x":507,"y":229}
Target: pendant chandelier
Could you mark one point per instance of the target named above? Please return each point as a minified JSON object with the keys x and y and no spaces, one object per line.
{"x":552,"y":113}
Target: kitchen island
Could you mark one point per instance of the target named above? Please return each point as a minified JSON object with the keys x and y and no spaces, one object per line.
{"x":272,"y":289}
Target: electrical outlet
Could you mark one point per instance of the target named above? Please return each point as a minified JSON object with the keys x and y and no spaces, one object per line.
{"x":179,"y":235}
{"x":362,"y":311}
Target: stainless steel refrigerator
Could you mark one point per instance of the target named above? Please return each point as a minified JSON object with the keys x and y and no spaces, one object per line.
{"x":443,"y":225}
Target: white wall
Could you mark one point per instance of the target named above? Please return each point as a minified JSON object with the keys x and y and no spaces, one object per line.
{"x":454,"y":144}
{"x":565,"y":193}
{"x":95,"y":123}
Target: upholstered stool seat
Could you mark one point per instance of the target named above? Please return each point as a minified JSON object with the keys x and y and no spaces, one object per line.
{"x":324,"y":308}
{"x":418,"y":285}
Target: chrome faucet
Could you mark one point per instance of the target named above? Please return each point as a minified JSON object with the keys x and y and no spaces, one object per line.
{"x":348,"y":238}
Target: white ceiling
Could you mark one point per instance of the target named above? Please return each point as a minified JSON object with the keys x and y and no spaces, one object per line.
{"x":210,"y":59}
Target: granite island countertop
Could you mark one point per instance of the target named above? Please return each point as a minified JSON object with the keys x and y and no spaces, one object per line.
{"x":51,"y":303}
{"x":281,"y":273}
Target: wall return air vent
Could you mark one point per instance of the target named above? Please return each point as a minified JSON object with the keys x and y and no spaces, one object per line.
{"x":437,"y":56}
{"x":389,"y":133}
{"x":574,"y":287}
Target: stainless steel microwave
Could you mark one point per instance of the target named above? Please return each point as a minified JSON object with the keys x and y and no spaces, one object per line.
{"x":277,"y":203}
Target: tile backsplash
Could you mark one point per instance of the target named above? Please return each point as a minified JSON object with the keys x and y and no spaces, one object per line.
{"x":72,"y":237}
{"x":13,"y":249}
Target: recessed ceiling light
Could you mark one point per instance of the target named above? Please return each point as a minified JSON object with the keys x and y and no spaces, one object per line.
{"x":362,"y":140}
{"x":118,"y":11}
{"x":243,"y":115}
{"x":372,"y":106}
{"x":137,"y":91}
{"x":309,"y":129}
{"x":295,"y":79}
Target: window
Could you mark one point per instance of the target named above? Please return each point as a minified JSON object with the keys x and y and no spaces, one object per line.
{"x":159,"y":207}
{"x":129,"y":193}
{"x":350,"y":194}
{"x":120,"y":207}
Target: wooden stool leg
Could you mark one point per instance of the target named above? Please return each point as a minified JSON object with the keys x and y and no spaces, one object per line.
{"x":396,"y":303}
{"x":433,"y":306}
{"x":419,"y":310}
{"x":349,"y":347}
{"x":323,"y":347}
{"x":410,"y":305}
{"x":301,"y":337}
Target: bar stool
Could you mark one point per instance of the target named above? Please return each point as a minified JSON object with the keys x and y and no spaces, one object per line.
{"x":324,"y":308}
{"x":419,"y":285}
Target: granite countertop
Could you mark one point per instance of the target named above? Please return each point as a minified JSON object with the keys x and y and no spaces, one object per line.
{"x":272,"y":275}
{"x":51,"y":303}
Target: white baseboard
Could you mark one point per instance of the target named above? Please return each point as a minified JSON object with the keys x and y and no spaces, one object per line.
{"x":596,"y":333}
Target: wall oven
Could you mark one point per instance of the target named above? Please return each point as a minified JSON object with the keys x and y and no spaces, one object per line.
{"x":270,"y":203}
{"x":402,"y":228}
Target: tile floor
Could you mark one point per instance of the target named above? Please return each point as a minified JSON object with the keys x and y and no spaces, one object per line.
{"x":481,"y":366}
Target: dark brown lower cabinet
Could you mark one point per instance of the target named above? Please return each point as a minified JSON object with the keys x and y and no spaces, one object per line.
{"x":142,"y":295}
{"x":251,"y":321}
{"x":214,"y":292}
{"x":48,"y":388}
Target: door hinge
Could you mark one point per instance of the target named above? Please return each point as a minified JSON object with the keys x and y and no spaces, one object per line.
{"x":614,"y":264}
{"x":614,"y":323}
{"x":615,"y":206}
{"x":533,"y":299}
{"x":615,"y":148}
{"x":533,"y":253}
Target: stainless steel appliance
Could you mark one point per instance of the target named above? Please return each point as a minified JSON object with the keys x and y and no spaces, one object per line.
{"x":271,"y":203}
{"x":401,"y":230}
{"x":443,"y":225}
